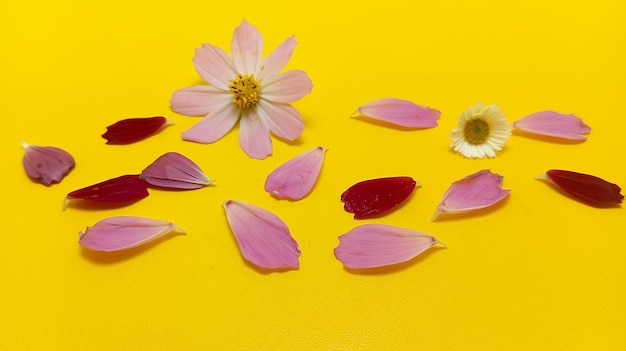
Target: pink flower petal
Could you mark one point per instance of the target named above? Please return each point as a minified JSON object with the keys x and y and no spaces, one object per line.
{"x":173,"y":170}
{"x":199,"y":100}
{"x":46,"y":164}
{"x":254,"y":136}
{"x":295,"y":178}
{"x":283,"y":120}
{"x":377,"y":245}
{"x":214,"y":126}
{"x":214,"y":66}
{"x":247,"y":49}
{"x":287,"y":87}
{"x":479,"y":190}
{"x":551,"y":123}
{"x":121,"y":189}
{"x":401,"y":112}
{"x":124,"y":232}
{"x":263,"y":238}
{"x":130,"y":130}
{"x":278,"y":59}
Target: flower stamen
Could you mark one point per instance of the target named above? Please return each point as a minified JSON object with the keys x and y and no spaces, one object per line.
{"x":245,"y":89}
{"x":476,"y":131}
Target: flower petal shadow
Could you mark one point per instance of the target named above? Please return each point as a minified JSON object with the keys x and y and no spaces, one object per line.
{"x":474,"y":213}
{"x":95,"y":205}
{"x":385,"y":124}
{"x":396,"y":267}
{"x":566,"y":194}
{"x":107,"y":258}
{"x":267,"y":271}
{"x":546,"y":138}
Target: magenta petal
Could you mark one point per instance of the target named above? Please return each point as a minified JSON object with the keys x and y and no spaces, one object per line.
{"x":173,"y":170}
{"x":554,"y":124}
{"x":295,"y":178}
{"x":377,"y":245}
{"x":46,"y":164}
{"x":401,"y":112}
{"x":131,"y":130}
{"x":121,"y":189}
{"x":124,"y":232}
{"x":374,"y":197}
{"x":262,"y":237}
{"x":479,"y":190}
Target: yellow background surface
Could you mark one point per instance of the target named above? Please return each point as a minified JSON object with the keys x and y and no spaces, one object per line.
{"x":538,"y":271}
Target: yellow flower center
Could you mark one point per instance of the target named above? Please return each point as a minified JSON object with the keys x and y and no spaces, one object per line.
{"x":476,"y":131}
{"x":245,"y":90}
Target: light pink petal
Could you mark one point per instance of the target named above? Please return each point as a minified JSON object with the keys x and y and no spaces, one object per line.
{"x":377,"y":245}
{"x":124,"y":232}
{"x":401,"y":112}
{"x":286,"y":87}
{"x":295,"y":178}
{"x":262,"y":237}
{"x":199,"y":100}
{"x":247,"y":49}
{"x":277,"y":60}
{"x":46,"y":164}
{"x":254,"y":136}
{"x":282,"y":119}
{"x":214,"y":126}
{"x":554,"y":124}
{"x":479,"y":190}
{"x":173,"y":170}
{"x":214,"y":66}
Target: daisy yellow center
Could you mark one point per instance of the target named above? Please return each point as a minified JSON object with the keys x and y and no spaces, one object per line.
{"x":245,"y":89}
{"x":476,"y":131}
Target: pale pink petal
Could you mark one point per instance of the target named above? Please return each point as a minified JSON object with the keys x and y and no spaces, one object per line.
{"x":173,"y":170}
{"x":46,"y":164}
{"x":479,"y":190}
{"x":277,"y":60}
{"x":554,"y":124}
{"x":377,"y":245}
{"x":282,"y":119}
{"x":247,"y":49}
{"x":199,"y":100}
{"x":295,"y":178}
{"x":401,"y":112}
{"x":214,"y":66}
{"x":254,"y":136}
{"x":286,"y":87}
{"x":214,"y":126}
{"x":263,"y":238}
{"x":124,"y":232}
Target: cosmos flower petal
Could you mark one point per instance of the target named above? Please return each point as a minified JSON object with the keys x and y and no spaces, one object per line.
{"x":46,"y":164}
{"x":263,"y":238}
{"x":130,"y":130}
{"x":295,"y":178}
{"x":287,"y":87}
{"x":214,"y":66}
{"x":282,"y":119}
{"x":199,"y":100}
{"x":121,"y":189}
{"x":278,"y":59}
{"x":214,"y":126}
{"x":586,"y":188}
{"x":247,"y":48}
{"x":401,"y":113}
{"x":124,"y":232}
{"x":374,"y":197}
{"x":479,"y":190}
{"x":173,"y":170}
{"x":254,"y":136}
{"x":378,"y":245}
{"x":554,"y":124}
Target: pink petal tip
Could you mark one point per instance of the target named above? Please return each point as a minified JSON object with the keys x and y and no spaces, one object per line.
{"x":295,"y":178}
{"x":401,"y":112}
{"x":174,"y":170}
{"x":553,"y":124}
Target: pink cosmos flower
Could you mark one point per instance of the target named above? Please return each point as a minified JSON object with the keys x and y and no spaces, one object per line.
{"x":401,"y":112}
{"x":554,"y":124}
{"x":295,"y":178}
{"x":245,"y":89}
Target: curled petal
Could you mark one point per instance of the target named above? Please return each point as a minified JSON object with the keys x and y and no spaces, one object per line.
{"x":173,"y":170}
{"x":124,"y":232}
{"x":46,"y":164}
{"x":295,"y":178}
{"x":479,"y":190}
{"x":401,"y":112}
{"x":121,"y":189}
{"x":586,"y":188}
{"x":377,"y":245}
{"x":554,"y":124}
{"x":131,"y":130}
{"x":263,"y":238}
{"x":372,"y":197}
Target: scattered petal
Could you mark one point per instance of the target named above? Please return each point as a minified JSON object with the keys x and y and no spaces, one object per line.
{"x":586,"y":188}
{"x":401,"y":112}
{"x":479,"y":190}
{"x":263,"y":238}
{"x":173,"y":170}
{"x":46,"y":164}
{"x":377,"y":245}
{"x":295,"y":178}
{"x":131,"y":130}
{"x":480,"y":132}
{"x":124,"y":232}
{"x":121,"y":189}
{"x":554,"y":124}
{"x":372,"y":197}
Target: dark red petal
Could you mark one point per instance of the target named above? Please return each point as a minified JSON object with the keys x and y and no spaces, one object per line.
{"x":133,"y":129}
{"x":372,"y":197}
{"x":121,"y":189}
{"x":586,"y":188}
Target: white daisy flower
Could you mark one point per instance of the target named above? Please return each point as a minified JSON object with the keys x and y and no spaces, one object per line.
{"x":481,"y":131}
